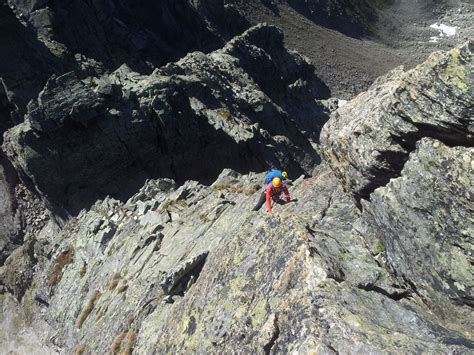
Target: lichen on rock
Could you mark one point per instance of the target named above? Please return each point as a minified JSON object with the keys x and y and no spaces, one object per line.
{"x":187,"y":266}
{"x":367,"y":142}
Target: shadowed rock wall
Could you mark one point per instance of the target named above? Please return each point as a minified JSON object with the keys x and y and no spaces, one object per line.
{"x":86,"y":139}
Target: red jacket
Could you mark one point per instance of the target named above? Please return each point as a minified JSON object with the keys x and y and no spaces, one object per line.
{"x":276,"y":192}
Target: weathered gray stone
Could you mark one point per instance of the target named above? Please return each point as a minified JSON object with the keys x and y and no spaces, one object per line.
{"x":16,"y":335}
{"x":17,"y":273}
{"x":210,"y":102}
{"x":152,"y":217}
{"x":424,"y":221}
{"x":64,"y":99}
{"x":368,"y":140}
{"x":192,"y":268}
{"x":223,"y":277}
{"x":177,"y":281}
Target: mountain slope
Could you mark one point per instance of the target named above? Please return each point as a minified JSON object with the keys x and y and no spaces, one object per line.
{"x":380,"y":35}
{"x":191,"y":268}
{"x":245,"y":106}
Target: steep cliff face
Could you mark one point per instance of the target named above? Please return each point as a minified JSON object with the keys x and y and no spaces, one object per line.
{"x":143,"y":34}
{"x":192,"y":269}
{"x":368,"y":141}
{"x":409,"y":161}
{"x":25,"y":65}
{"x":246,"y":106}
{"x":424,"y":220}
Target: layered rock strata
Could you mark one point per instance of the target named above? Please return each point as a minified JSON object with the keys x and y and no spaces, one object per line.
{"x":404,"y":150}
{"x":424,"y":221}
{"x":245,"y":106}
{"x":368,"y":141}
{"x":190,"y":268}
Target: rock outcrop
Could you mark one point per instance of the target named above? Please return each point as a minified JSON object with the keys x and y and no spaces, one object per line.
{"x":143,"y":34}
{"x":373,"y":255}
{"x":424,"y":222}
{"x":245,"y":106}
{"x":405,"y":151}
{"x":368,"y":141}
{"x":192,"y":269}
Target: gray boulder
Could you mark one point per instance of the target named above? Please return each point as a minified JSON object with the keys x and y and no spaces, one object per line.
{"x":64,"y":100}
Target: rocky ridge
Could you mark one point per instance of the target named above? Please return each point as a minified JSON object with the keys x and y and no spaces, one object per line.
{"x":368,"y":141}
{"x":298,"y":280}
{"x":190,"y":268}
{"x":252,"y":97}
{"x":408,"y":161}
{"x":143,"y":34}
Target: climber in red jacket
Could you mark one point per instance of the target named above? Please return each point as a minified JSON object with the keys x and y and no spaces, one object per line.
{"x":272,"y":192}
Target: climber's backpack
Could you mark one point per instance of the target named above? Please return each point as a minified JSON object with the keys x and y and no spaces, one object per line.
{"x":271,"y":175}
